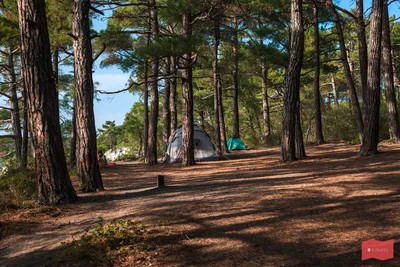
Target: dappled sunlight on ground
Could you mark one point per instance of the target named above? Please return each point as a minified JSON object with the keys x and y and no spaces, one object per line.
{"x":249,"y":210}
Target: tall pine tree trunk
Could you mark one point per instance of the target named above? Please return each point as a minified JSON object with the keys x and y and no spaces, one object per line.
{"x":53,"y":182}
{"x":292,"y":81}
{"x":235,"y":93}
{"x":362,"y":46}
{"x":216,"y":88}
{"x":25,"y":135}
{"x":265,"y":104}
{"x":146,"y":93}
{"x":222,"y":127}
{"x":369,"y":145}
{"x":300,"y":151}
{"x":349,"y":78}
{"x":187,"y":97}
{"x":172,"y":98}
{"x":319,"y":137}
{"x":166,"y":111}
{"x":72,"y":152}
{"x":86,"y":144}
{"x":15,"y":116}
{"x":390,"y":93}
{"x":154,"y":105}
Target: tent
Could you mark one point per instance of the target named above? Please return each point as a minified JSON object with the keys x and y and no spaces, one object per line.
{"x":203,"y":150}
{"x":235,"y":143}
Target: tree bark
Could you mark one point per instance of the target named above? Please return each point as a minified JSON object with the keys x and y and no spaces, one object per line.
{"x":166,"y":104}
{"x":369,"y":145}
{"x":334,"y":91}
{"x":172,"y":98}
{"x":217,"y":140}
{"x":187,"y":97}
{"x":154,"y":105}
{"x":146,"y":94}
{"x":235,"y":93}
{"x":15,"y":116}
{"x":55,"y":64}
{"x":222,"y":127}
{"x":86,"y":144}
{"x":362,"y":46}
{"x":53,"y":183}
{"x":300,"y":151}
{"x":349,"y":78}
{"x":25,"y":136}
{"x":319,"y":137}
{"x":390,"y":93}
{"x":265,"y":103}
{"x":72,"y":154}
{"x":292,"y":89}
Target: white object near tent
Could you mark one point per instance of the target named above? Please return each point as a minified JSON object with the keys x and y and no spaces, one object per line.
{"x":203,"y":146}
{"x":116,"y":154}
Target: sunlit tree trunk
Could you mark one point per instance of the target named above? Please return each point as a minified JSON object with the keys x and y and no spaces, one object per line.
{"x":369,"y":145}
{"x":292,"y":87}
{"x":390,"y":93}
{"x":217,"y":140}
{"x":235,"y":92}
{"x":86,"y":145}
{"x":319,"y":137}
{"x":154,"y":106}
{"x":187,"y":97}
{"x":166,"y":111}
{"x":300,"y":151}
{"x":53,"y":182}
{"x":222,"y":127}
{"x":362,"y":46}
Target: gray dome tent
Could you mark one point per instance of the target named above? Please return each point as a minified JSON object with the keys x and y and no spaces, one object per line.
{"x":203,"y":150}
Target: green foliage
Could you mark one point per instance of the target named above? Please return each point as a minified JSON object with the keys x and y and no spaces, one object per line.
{"x":16,"y":186}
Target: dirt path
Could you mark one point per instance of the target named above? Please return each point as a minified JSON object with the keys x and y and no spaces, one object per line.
{"x":246,"y":211}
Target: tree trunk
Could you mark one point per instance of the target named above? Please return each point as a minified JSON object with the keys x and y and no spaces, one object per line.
{"x":334,"y":92}
{"x":319,"y":138}
{"x":172,"y":98}
{"x":217,"y":140}
{"x":369,"y":145}
{"x":292,"y":89}
{"x":55,"y":64}
{"x":235,"y":93}
{"x":86,"y":144}
{"x":390,"y":93}
{"x":72,"y":154}
{"x":222,"y":127}
{"x":25,"y":136}
{"x":166,"y":111}
{"x":15,"y":116}
{"x":152,"y":138}
{"x":146,"y":95}
{"x":349,"y":78}
{"x":300,"y":151}
{"x":187,"y":97}
{"x":362,"y":46}
{"x":265,"y":104}
{"x":53,"y":183}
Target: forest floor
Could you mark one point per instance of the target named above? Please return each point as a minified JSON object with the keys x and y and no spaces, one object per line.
{"x":249,"y":210}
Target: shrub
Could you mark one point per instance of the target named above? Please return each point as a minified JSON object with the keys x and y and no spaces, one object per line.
{"x":17,"y":185}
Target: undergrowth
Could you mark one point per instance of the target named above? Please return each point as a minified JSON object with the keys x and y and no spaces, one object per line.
{"x":109,"y":244}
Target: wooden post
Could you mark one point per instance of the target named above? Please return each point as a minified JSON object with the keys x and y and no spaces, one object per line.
{"x":160,"y":181}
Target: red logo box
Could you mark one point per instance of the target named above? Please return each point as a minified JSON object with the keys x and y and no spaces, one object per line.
{"x":375,"y":249}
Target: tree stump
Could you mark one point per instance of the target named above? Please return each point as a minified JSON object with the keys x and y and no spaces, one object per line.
{"x":160,"y":181}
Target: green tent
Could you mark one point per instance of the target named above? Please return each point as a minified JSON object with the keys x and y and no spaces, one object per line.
{"x":235,"y":143}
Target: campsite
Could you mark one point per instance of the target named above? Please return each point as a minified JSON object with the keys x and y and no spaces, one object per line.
{"x":237,"y":133}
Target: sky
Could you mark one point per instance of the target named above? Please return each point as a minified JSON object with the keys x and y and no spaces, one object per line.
{"x":114,"y":107}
